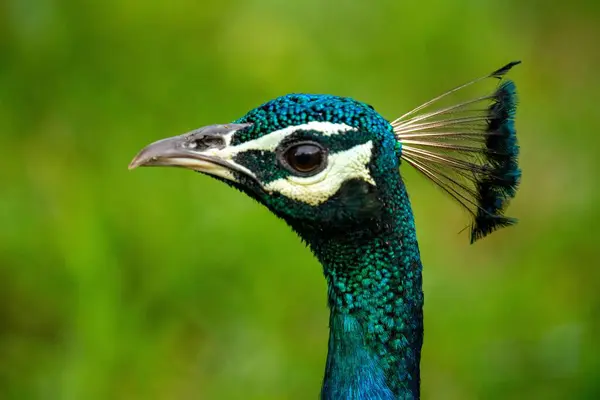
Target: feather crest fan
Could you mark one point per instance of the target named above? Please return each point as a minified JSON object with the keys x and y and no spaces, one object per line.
{"x":469,"y":150}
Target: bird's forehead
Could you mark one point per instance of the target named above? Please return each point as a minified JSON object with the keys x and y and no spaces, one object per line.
{"x":324,"y":113}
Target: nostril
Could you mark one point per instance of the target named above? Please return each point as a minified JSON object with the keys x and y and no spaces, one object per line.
{"x":214,"y":141}
{"x":205,"y":142}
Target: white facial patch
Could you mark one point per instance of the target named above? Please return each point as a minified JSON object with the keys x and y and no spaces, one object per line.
{"x":271,"y":141}
{"x":341,"y":167}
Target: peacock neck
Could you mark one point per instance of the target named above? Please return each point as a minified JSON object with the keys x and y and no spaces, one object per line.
{"x":376,"y":301}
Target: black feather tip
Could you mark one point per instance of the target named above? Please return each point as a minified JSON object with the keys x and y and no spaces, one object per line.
{"x":500,"y":72}
{"x":499,"y":185}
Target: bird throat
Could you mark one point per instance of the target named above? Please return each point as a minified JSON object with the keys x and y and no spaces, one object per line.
{"x":376,"y":301}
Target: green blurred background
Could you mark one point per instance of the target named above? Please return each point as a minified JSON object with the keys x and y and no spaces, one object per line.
{"x":162,"y":284}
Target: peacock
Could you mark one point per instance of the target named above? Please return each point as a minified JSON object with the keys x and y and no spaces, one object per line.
{"x":329,"y":167}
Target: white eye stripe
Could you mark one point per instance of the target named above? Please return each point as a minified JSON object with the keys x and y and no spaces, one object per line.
{"x":270,"y":141}
{"x":341,"y":167}
{"x":227,"y":137}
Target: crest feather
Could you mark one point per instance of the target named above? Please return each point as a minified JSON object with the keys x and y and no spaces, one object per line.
{"x":469,"y":150}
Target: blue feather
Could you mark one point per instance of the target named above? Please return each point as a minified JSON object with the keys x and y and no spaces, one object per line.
{"x":353,"y":370}
{"x":499,"y":186}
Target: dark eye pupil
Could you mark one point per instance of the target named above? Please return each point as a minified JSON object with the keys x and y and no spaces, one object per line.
{"x":305,"y":157}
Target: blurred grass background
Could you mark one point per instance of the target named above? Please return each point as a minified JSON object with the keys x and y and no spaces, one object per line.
{"x":163,"y":284}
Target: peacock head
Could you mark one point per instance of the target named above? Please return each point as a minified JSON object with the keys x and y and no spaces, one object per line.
{"x":314,"y":160}
{"x":330,"y":164}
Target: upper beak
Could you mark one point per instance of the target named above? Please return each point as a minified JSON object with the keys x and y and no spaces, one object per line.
{"x":200,"y":150}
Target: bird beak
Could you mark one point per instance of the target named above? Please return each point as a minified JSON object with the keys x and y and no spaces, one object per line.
{"x":203,"y":150}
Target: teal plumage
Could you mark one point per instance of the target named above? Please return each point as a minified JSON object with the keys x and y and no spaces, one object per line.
{"x":328,"y":166}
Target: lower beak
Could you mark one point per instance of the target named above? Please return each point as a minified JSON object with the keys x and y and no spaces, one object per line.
{"x":198,"y":150}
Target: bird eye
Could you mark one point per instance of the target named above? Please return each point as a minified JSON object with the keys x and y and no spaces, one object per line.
{"x":305,"y":158}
